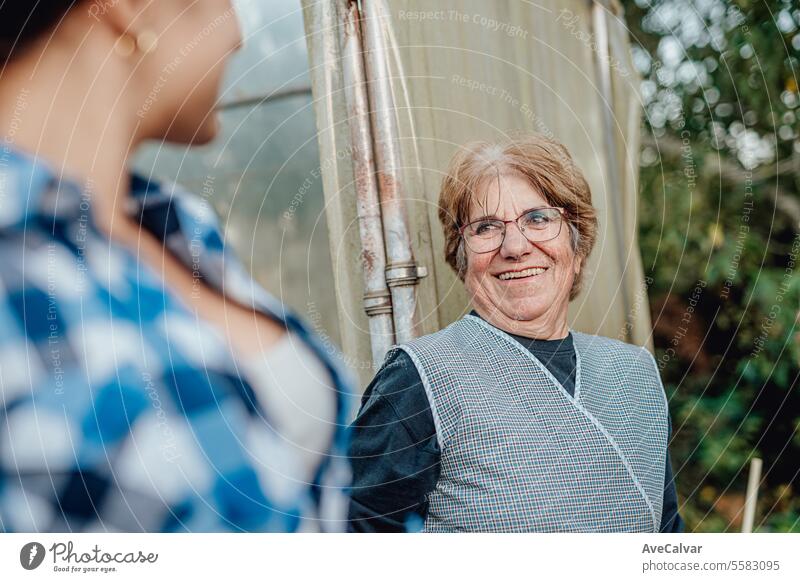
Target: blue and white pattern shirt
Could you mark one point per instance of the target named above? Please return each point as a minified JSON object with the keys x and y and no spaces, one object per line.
{"x":119,"y":409}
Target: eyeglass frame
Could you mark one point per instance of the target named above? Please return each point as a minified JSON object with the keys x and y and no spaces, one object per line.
{"x":561,"y":211}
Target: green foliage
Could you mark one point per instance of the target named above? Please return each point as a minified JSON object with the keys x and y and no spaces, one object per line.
{"x":720,"y":232}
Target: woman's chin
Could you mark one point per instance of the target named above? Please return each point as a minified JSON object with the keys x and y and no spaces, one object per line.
{"x":522,"y":311}
{"x":207,"y":133}
{"x":196,"y":135}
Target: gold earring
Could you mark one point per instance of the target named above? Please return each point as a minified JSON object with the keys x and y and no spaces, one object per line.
{"x":147,"y":41}
{"x":125,"y":45}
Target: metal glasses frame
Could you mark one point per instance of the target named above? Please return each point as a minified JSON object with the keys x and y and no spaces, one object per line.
{"x":515,"y":221}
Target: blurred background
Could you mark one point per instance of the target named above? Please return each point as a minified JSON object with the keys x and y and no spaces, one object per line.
{"x":719,"y":231}
{"x":712,"y":158}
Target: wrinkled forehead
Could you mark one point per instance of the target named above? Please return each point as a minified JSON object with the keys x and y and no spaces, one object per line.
{"x":497,"y":193}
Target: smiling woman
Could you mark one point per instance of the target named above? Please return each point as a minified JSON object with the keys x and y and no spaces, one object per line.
{"x":508,"y":420}
{"x":524,"y":278}
{"x":536,"y":169}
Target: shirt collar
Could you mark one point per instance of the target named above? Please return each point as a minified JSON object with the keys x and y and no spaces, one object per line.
{"x":563,"y":345}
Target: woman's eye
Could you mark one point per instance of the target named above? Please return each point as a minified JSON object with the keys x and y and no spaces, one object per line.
{"x":536,"y":218}
{"x":486,"y":228}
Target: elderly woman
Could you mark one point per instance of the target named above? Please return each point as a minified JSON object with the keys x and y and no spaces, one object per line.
{"x":507,"y":420}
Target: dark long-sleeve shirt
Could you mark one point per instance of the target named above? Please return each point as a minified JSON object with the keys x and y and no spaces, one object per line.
{"x":395,"y":454}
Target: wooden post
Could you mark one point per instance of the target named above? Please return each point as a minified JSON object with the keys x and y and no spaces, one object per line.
{"x":752,"y":495}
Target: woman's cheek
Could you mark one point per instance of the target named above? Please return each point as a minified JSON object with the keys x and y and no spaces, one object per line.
{"x":473,"y":280}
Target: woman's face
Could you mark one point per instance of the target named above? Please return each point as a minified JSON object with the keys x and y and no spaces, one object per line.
{"x":184,"y":72}
{"x":540,"y":299}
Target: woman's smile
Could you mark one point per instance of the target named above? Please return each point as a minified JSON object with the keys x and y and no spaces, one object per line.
{"x":521,"y":275}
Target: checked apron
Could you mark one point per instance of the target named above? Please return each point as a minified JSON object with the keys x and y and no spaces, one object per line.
{"x":520,"y":454}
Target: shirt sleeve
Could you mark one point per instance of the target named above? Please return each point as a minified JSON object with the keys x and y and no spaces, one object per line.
{"x":671,"y":521}
{"x":394,"y":453}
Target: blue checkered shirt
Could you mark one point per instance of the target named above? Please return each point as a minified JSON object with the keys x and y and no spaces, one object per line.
{"x":119,"y":409}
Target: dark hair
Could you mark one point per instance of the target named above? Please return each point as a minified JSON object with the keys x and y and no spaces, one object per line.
{"x":23,"y":21}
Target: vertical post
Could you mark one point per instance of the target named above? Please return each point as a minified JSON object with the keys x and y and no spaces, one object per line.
{"x":752,"y":495}
{"x":402,"y":272}
{"x":377,"y":299}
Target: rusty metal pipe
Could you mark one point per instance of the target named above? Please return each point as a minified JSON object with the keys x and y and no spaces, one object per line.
{"x":402,"y":272}
{"x":377,"y":298}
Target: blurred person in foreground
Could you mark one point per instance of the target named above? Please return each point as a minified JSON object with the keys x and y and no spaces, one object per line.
{"x":508,"y":420}
{"x":147,"y":382}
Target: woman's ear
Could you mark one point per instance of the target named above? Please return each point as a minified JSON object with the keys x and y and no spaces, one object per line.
{"x":577,"y":264}
{"x":123,"y":17}
{"x":461,"y":260}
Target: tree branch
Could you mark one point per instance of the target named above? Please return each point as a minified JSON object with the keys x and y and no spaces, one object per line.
{"x":671,"y":148}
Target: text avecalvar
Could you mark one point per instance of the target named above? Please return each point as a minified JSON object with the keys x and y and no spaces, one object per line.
{"x":671,"y":549}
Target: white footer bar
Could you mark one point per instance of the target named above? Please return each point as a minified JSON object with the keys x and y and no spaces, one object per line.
{"x":407,"y":558}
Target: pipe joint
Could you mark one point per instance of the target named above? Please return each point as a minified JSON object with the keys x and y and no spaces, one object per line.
{"x":405,"y":274}
{"x":378,"y":303}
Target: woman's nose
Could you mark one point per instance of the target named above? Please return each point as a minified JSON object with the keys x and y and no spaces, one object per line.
{"x":514,"y":244}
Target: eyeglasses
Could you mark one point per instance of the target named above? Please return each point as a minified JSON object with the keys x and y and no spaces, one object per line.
{"x":536,"y":225}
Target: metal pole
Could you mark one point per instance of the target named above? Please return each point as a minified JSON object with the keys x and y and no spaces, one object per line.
{"x":752,"y":496}
{"x":402,"y":272}
{"x":603,"y":67}
{"x":254,"y":101}
{"x":377,"y":299}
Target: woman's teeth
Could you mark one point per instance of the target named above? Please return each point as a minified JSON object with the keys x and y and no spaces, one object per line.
{"x":519,"y":274}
